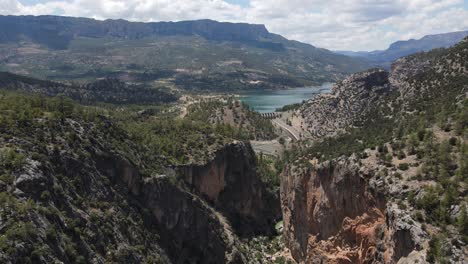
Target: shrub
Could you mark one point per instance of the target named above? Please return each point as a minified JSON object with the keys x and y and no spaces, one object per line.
{"x":7,"y":178}
{"x":435,"y":253}
{"x":401,"y":155}
{"x":45,"y":195}
{"x":51,"y":234}
{"x":401,"y":205}
{"x":403,"y":166}
{"x":10,"y":159}
{"x":453,"y":141}
{"x":418,"y":216}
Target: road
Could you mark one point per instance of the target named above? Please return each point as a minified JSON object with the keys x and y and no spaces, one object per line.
{"x":294,"y":134}
{"x":270,"y":147}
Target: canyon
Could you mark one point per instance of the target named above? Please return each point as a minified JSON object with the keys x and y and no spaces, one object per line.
{"x":120,"y":171}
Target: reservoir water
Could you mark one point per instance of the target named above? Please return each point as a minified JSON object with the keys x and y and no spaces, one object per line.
{"x":269,"y":100}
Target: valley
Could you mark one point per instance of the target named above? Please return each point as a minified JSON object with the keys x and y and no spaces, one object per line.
{"x":213,"y":142}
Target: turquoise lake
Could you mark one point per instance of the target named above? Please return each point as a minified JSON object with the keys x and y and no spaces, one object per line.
{"x":270,"y":100}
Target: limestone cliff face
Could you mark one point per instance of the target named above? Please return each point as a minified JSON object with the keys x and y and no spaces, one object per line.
{"x":231,"y":184}
{"x":191,"y":230}
{"x":332,"y":215}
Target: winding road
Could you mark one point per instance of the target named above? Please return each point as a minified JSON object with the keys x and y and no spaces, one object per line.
{"x":291,"y":131}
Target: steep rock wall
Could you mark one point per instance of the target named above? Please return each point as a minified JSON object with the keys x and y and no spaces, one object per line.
{"x":190,"y":230}
{"x":231,"y":184}
{"x":332,"y":214}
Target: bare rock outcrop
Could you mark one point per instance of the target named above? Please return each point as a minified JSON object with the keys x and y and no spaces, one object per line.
{"x":231,"y":184}
{"x":332,"y":215}
{"x":348,"y":104}
{"x":188,"y":219}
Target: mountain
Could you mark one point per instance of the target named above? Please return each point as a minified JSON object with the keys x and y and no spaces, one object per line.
{"x":202,"y":54}
{"x":403,"y":48}
{"x":58,"y":32}
{"x":383,"y":175}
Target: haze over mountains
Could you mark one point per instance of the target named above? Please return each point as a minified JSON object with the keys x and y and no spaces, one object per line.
{"x":406,"y":47}
{"x":201,"y":54}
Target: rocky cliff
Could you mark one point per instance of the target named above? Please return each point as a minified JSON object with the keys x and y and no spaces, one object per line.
{"x":397,"y":199}
{"x":348,"y":105}
{"x":375,"y":95}
{"x":333,"y":215}
{"x":76,"y":191}
{"x":230,"y":182}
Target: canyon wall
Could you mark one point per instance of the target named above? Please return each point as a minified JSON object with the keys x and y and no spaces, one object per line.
{"x":231,"y":184}
{"x":333,"y":215}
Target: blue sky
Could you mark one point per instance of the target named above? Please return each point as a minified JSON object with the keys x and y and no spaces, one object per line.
{"x":243,"y":3}
{"x":355,"y":25}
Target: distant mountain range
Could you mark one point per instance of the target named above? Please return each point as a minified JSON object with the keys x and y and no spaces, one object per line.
{"x":403,"y":48}
{"x":201,"y":54}
{"x":58,"y":32}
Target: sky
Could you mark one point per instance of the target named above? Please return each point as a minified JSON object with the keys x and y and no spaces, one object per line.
{"x":336,"y":25}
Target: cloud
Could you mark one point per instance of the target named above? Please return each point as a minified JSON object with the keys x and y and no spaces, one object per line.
{"x":333,"y":24}
{"x":9,"y":6}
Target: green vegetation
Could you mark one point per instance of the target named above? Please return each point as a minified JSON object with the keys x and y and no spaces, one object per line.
{"x":403,"y":166}
{"x":231,"y":114}
{"x":436,"y":252}
{"x":180,"y":141}
{"x":108,"y":90}
{"x":269,"y":168}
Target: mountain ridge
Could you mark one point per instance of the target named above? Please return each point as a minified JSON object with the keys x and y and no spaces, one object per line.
{"x":403,"y":48}
{"x":120,"y":28}
{"x":194,"y":55}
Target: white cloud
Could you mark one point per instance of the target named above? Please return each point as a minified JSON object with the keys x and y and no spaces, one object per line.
{"x":333,"y":24}
{"x":9,"y":6}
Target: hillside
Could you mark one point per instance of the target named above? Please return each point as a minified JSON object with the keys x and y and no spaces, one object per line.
{"x":384,"y":177}
{"x":109,"y":90}
{"x":82,"y":184}
{"x":404,"y":48}
{"x":201,"y":55}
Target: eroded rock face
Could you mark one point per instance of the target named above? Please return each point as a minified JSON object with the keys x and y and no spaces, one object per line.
{"x":231,"y":184}
{"x":189,"y":230}
{"x":331,"y":215}
{"x":192,"y":231}
{"x":189,"y":222}
{"x":349,"y":102}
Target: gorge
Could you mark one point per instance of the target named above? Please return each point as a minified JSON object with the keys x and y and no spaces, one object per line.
{"x":118,"y":154}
